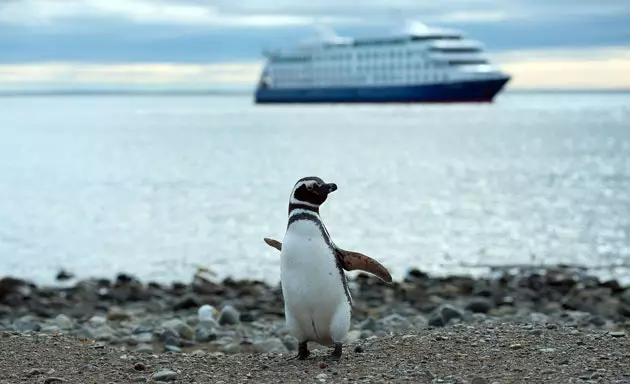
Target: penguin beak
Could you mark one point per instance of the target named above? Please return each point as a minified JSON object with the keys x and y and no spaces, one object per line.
{"x":325,"y":189}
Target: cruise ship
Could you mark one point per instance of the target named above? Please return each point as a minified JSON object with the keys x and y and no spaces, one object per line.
{"x":419,"y":64}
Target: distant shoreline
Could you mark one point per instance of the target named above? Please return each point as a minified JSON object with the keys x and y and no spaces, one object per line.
{"x":247,"y":92}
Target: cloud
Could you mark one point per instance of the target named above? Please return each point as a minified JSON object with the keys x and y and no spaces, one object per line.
{"x":560,"y":69}
{"x":599,"y":68}
{"x":268,"y":13}
{"x":46,"y":12}
{"x":145,"y":75}
{"x":79,"y":41}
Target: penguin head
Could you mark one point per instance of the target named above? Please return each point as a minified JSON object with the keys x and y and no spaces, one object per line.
{"x":311,"y":191}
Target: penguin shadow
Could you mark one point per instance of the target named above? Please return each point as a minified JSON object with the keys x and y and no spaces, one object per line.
{"x":319,"y":358}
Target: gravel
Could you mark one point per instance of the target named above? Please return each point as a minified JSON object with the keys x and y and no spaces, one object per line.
{"x":478,"y":353}
{"x":557,"y":324}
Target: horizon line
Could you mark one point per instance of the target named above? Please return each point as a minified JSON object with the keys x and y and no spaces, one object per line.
{"x":242,"y":91}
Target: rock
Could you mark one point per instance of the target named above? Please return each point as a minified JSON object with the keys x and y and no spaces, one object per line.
{"x":289,"y":342}
{"x":479,"y":305}
{"x":169,"y":348}
{"x":246,"y":317}
{"x":396,"y":321}
{"x":117,"y":314}
{"x":144,"y":348}
{"x":597,"y":320}
{"x":164,"y":375}
{"x":182,"y":329}
{"x":50,"y":329}
{"x":538,"y":318}
{"x":231,"y":348}
{"x":369,"y":324}
{"x":64,"y":322}
{"x":204,"y":335}
{"x":436,"y":320}
{"x":354,"y":335}
{"x":52,"y":380}
{"x":617,"y":334}
{"x":27,"y":323}
{"x":145,"y":337}
{"x":97,"y":321}
{"x":273,"y":345}
{"x":229,"y":315}
{"x":187,"y":302}
{"x":444,"y":314}
{"x":141,"y":329}
{"x":449,"y":312}
{"x":103,"y":333}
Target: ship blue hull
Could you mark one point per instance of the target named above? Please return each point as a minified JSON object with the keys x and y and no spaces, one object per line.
{"x":469,"y":91}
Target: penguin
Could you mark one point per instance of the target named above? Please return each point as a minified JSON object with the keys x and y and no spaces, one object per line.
{"x":317,"y":300}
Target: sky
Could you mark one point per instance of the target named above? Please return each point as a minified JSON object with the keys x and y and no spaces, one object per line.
{"x":205,"y":44}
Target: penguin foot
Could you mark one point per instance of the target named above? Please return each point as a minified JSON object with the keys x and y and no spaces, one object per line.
{"x":303,"y":351}
{"x":336,"y":353}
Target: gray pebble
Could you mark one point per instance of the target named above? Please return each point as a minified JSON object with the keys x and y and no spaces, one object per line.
{"x":103,"y":333}
{"x":164,"y":375}
{"x":50,"y":329}
{"x":449,"y":312}
{"x":145,"y":337}
{"x":289,"y":342}
{"x":273,"y":345}
{"x":369,"y":324}
{"x":538,"y":318}
{"x":144,"y":348}
{"x":64,"y":322}
{"x":117,"y":314}
{"x":141,"y":329}
{"x":479,"y":305}
{"x":354,"y":335}
{"x":172,"y":348}
{"x":229,"y":315}
{"x":97,"y":321}
{"x":27,"y":323}
{"x":396,"y":321}
{"x":231,"y":348}
{"x":183,"y":330}
{"x":204,"y":335}
{"x":365,"y":334}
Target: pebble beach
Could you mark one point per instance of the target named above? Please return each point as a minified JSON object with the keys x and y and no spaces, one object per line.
{"x":528,"y":312}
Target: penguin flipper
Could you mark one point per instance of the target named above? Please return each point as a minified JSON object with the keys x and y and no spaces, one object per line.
{"x":273,"y":243}
{"x":351,"y":261}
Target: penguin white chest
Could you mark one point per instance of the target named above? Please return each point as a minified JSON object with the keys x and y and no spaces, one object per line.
{"x":315,"y":301}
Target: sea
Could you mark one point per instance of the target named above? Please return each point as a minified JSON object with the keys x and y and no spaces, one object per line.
{"x":160,"y":185}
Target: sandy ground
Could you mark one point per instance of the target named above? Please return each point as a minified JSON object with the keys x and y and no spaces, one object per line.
{"x":463,"y":354}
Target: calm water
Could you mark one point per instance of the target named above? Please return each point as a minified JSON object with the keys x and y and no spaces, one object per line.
{"x":159,"y":185}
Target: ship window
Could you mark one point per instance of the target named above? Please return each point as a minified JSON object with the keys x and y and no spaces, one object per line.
{"x":467,"y":62}
{"x":454,"y":50}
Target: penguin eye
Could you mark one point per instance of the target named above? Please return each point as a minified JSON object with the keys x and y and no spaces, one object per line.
{"x":309,"y":187}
